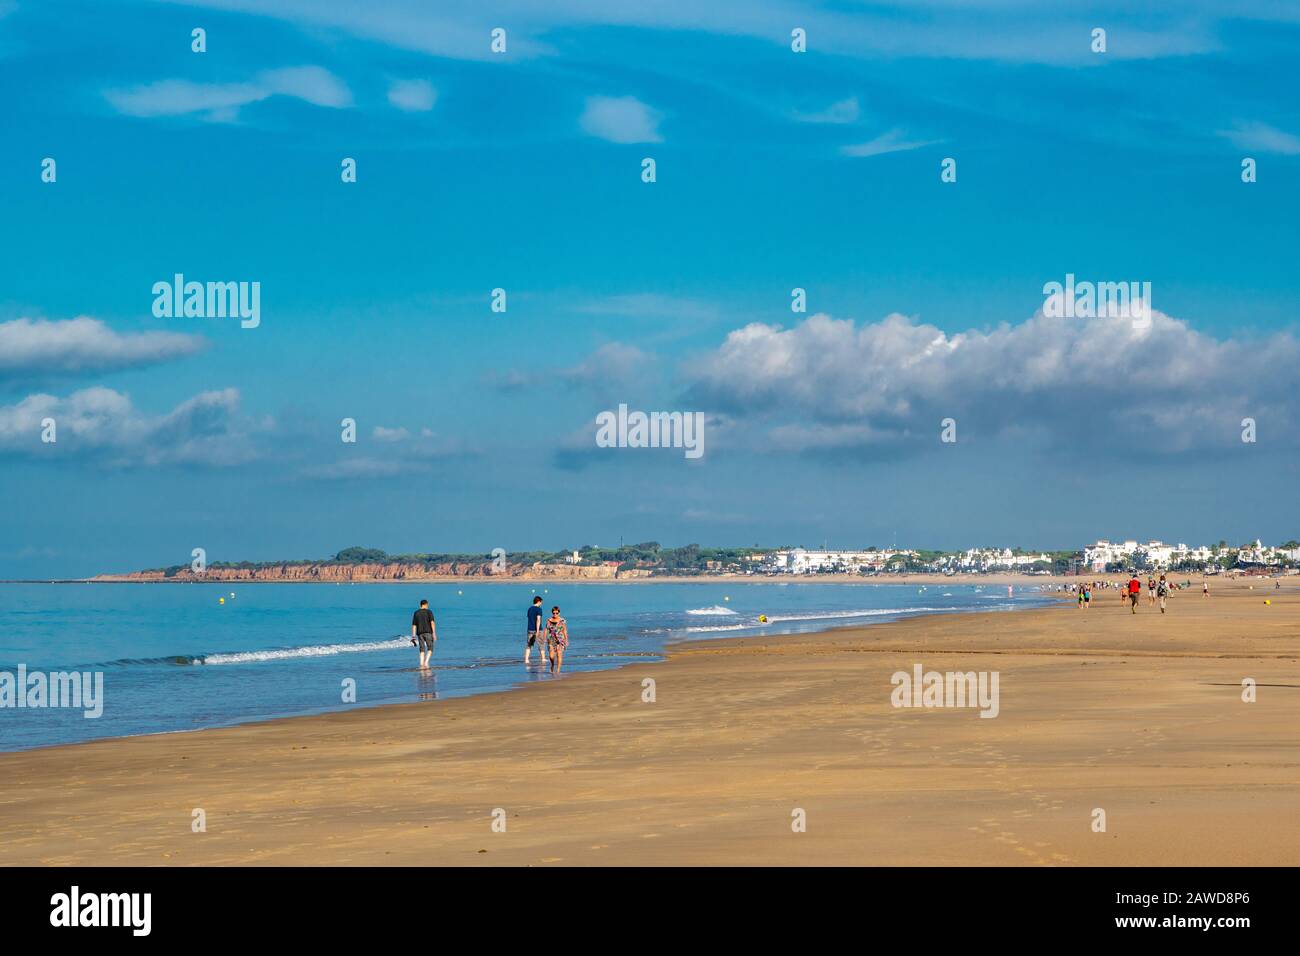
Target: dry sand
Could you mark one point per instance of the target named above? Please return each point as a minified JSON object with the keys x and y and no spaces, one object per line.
{"x":1140,"y":715}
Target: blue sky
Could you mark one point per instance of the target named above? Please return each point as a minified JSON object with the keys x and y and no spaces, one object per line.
{"x":521,"y":170}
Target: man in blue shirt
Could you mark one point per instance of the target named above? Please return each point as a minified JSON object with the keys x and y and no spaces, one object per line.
{"x":534,"y":635}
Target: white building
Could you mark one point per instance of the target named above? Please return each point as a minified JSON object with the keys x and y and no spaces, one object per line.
{"x":1183,"y":553}
{"x":1255,"y":554}
{"x":1104,"y":552}
{"x":987,"y":559}
{"x":803,"y":561}
{"x":1156,"y":553}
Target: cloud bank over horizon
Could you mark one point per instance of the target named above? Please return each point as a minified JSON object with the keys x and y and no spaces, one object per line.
{"x":830,"y":383}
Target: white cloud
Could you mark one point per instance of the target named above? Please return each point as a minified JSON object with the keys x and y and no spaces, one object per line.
{"x":36,"y":349}
{"x":1260,"y":137}
{"x":1006,"y":30}
{"x":620,"y":119}
{"x":892,"y":141}
{"x":404,"y":454}
{"x":510,"y":380}
{"x":828,"y":382}
{"x":312,"y":84}
{"x":845,"y":111}
{"x":456,"y":29}
{"x":612,"y":364}
{"x":412,"y":96}
{"x":220,"y":102}
{"x":104,"y":425}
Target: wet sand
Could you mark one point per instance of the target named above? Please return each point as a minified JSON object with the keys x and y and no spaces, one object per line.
{"x":1138,"y":715}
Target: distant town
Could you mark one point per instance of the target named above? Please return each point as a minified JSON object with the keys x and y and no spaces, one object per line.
{"x":650,"y":560}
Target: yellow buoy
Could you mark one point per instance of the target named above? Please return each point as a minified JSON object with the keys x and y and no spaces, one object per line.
{"x":1267,"y":601}
{"x":221,"y":600}
{"x":762,"y":619}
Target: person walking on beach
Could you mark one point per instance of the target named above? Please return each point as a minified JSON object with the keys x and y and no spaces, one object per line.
{"x":1151,"y":590}
{"x":557,"y":639}
{"x":1162,"y":592}
{"x":1134,"y":592}
{"x":424,"y":634}
{"x":1205,"y":588}
{"x":534,"y":633}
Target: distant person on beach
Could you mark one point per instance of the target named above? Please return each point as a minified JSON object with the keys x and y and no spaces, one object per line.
{"x":1205,"y":589}
{"x":557,"y":639}
{"x":1134,"y":592}
{"x":1162,"y":592}
{"x":424,"y":634}
{"x":534,"y":634}
{"x":1151,"y":590}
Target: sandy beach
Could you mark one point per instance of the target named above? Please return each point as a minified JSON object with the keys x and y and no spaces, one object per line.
{"x":1138,"y":715}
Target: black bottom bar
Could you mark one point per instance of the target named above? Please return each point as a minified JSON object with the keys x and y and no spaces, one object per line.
{"x":962,"y":907}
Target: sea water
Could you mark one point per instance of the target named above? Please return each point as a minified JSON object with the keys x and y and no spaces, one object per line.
{"x":175,"y":657}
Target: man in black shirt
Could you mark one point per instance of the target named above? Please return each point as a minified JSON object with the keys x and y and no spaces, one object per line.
{"x":424,"y":633}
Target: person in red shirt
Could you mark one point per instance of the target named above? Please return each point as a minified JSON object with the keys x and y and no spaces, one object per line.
{"x":1134,"y":592}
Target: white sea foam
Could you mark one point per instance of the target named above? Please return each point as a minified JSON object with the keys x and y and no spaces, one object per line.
{"x":835,"y":615}
{"x":812,"y":616}
{"x":716,"y":610}
{"x":311,"y":650}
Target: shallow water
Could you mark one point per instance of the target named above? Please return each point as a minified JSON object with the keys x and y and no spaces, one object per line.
{"x":174,"y":658}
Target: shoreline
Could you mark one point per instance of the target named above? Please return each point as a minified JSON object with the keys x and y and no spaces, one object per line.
{"x":522,"y":682}
{"x":1137,"y":714}
{"x":993,"y":578}
{"x":927,"y":578}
